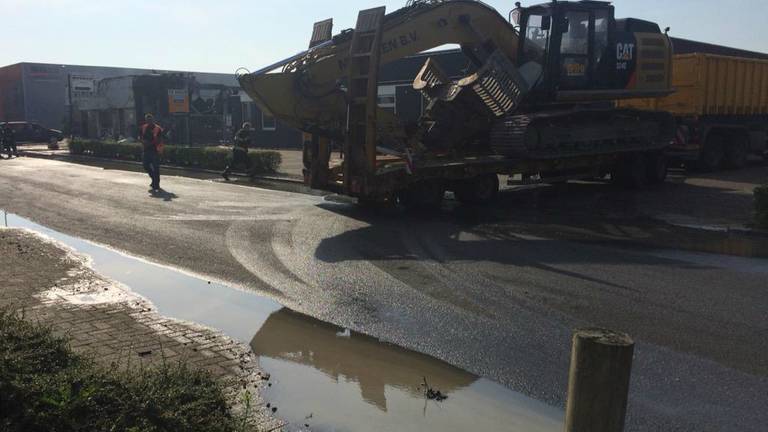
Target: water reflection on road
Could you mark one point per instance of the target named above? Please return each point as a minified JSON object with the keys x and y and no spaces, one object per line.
{"x":336,"y":380}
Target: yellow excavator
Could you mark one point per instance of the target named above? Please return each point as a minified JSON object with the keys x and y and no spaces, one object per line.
{"x":538,"y":100}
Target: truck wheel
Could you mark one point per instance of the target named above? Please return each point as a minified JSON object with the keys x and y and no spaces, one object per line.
{"x":736,"y":155}
{"x":479,"y":190}
{"x":711,"y":158}
{"x":424,"y":195}
{"x":657,"y":166}
{"x":630,"y":172}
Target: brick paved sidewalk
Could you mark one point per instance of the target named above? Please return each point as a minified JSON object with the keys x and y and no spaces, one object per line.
{"x":39,"y":277}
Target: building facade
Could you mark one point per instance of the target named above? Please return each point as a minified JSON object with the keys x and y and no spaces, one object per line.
{"x":93,"y":101}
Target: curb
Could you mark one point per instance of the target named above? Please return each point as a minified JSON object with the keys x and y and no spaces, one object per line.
{"x":742,"y":242}
{"x":744,"y":231}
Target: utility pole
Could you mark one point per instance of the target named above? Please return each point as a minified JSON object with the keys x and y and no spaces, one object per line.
{"x":71,"y":108}
{"x":188,"y":96}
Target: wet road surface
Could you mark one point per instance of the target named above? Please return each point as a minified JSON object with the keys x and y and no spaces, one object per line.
{"x":489,"y":295}
{"x":376,"y":386}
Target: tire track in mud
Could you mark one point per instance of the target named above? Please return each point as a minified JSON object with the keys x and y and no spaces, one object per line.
{"x":281,"y":254}
{"x":340,"y":275}
{"x":258,"y":257}
{"x":342,"y":286}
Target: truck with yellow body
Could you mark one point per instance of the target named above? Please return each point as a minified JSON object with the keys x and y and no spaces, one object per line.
{"x":720,"y":105}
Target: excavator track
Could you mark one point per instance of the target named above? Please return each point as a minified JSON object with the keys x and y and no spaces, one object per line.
{"x":573,"y":133}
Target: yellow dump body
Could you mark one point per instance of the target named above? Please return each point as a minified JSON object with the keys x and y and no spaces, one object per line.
{"x":713,"y":85}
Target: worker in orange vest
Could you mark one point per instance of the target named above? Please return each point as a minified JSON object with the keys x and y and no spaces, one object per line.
{"x":151,"y":137}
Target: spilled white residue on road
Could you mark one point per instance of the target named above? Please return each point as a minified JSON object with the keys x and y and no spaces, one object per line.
{"x":82,"y":285}
{"x":105,"y":296}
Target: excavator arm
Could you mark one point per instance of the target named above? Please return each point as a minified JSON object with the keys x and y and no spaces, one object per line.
{"x":309,"y":90}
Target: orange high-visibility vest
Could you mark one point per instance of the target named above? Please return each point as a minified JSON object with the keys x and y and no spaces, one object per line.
{"x":157,"y":136}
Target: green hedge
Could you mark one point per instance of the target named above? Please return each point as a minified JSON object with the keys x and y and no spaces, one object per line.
{"x":213,"y":158}
{"x":761,"y":206}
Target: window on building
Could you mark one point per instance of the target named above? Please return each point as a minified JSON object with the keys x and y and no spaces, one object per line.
{"x":268,"y":123}
{"x":387,"y":97}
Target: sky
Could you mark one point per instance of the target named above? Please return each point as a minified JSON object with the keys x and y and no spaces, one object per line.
{"x":223,"y":35}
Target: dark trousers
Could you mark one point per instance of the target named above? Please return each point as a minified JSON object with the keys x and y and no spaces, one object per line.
{"x":239,"y":158}
{"x":151,"y":162}
{"x":10,"y":146}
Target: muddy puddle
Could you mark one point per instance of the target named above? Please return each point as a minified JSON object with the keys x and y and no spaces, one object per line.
{"x":324,"y":378}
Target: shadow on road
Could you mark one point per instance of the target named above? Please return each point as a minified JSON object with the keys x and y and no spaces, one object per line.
{"x":585,"y":250}
{"x":444,"y":238}
{"x":599,"y":213}
{"x":510,"y":233}
{"x":164,"y":195}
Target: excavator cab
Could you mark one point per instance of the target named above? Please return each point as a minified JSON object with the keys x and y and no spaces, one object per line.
{"x":578,"y":51}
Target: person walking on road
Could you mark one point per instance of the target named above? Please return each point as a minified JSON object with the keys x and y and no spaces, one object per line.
{"x":151,"y":137}
{"x":243,"y":140}
{"x":8,"y":138}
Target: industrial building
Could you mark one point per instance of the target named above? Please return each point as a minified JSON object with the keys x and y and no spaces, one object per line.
{"x":97,"y":102}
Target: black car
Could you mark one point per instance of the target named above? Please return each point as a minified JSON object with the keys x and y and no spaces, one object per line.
{"x":33,"y":132}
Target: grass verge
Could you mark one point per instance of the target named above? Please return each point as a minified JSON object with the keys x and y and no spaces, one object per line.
{"x":213,"y":158}
{"x":45,"y":386}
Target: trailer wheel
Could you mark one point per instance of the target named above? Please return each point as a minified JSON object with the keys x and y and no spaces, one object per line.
{"x":479,"y":190}
{"x":424,"y":195}
{"x":657,"y":167}
{"x":736,"y":154}
{"x":711,"y":158}
{"x":630,"y":172}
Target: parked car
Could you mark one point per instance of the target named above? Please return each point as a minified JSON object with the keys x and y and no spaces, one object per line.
{"x":33,"y":132}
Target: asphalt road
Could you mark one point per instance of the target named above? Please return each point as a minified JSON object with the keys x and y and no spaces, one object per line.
{"x":484,"y":290}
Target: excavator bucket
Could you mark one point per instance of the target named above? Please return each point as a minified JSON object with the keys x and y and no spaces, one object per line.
{"x":497,"y":84}
{"x":458,"y":113}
